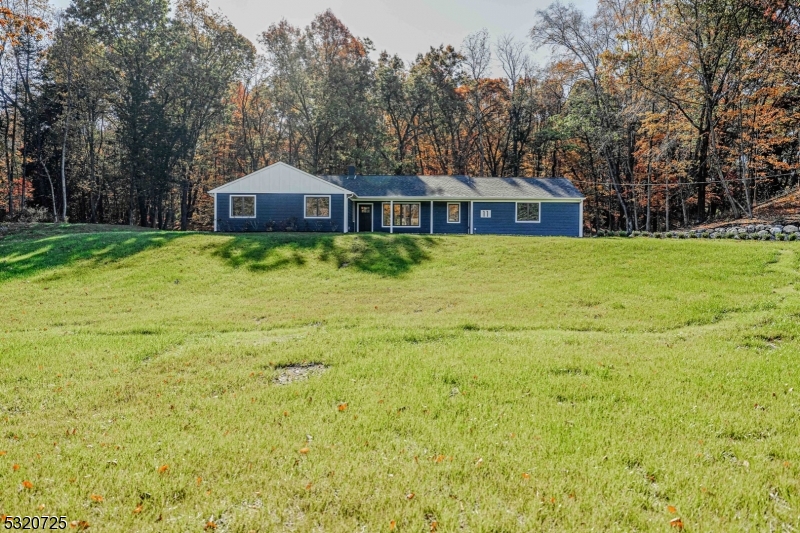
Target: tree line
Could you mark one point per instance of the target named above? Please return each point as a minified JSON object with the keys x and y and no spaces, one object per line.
{"x":664,"y":113}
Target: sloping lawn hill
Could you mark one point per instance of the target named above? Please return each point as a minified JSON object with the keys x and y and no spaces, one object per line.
{"x":472,"y":383}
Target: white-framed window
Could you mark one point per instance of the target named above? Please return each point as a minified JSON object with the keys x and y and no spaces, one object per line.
{"x":318,"y":207}
{"x":243,"y":206}
{"x":453,"y":213}
{"x":529,"y":211}
{"x":406,"y":215}
{"x":486,"y":213}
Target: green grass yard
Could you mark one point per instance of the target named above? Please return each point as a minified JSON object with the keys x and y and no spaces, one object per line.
{"x":472,"y":383}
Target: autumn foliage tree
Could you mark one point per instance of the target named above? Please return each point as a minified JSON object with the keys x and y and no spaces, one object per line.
{"x":664,"y":113}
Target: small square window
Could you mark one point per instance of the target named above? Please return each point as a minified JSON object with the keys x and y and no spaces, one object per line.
{"x":318,"y":207}
{"x":453,"y":213}
{"x":528,"y":211}
{"x":243,"y":206}
{"x":486,"y":213}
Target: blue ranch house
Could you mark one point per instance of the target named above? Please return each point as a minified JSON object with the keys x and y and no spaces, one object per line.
{"x":281,"y":197}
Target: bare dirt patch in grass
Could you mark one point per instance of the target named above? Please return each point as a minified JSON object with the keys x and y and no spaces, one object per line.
{"x":297,"y":372}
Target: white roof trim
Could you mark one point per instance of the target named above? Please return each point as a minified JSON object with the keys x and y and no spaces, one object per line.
{"x":231,"y":187}
{"x":484,"y":199}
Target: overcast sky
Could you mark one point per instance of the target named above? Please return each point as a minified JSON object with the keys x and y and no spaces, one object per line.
{"x":404,"y":27}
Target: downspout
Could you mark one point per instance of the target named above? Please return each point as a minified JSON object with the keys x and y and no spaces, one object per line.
{"x":431,"y":217}
{"x":470,"y":217}
{"x":345,"y":228}
{"x":580,"y":228}
{"x":391,"y":216}
{"x":216,"y":216}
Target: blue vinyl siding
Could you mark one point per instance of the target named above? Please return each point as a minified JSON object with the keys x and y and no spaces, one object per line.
{"x":440,"y":224}
{"x":280,"y":210}
{"x":377,"y":218}
{"x":556,"y":218}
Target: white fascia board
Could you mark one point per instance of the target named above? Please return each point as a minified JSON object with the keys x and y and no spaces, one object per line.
{"x":401,"y":199}
{"x":281,"y":183}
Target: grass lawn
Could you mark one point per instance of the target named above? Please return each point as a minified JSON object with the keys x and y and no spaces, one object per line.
{"x":471,"y":383}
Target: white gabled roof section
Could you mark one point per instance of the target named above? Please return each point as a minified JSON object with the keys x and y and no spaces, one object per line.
{"x":280,"y":178}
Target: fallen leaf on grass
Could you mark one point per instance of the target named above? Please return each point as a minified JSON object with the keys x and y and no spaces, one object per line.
{"x":27,"y":484}
{"x":308,"y":487}
{"x":199,"y":480}
{"x":410,"y":496}
{"x":163,"y":468}
{"x":210,"y":525}
{"x":342,"y":407}
{"x":671,"y":509}
{"x":304,"y":450}
{"x":392,"y":525}
{"x":526,"y":475}
{"x":3,"y":452}
{"x":96,"y":498}
{"x":676,"y":523}
{"x":79,"y":524}
{"x":434,"y":525}
{"x":138,"y":509}
{"x":15,"y":467}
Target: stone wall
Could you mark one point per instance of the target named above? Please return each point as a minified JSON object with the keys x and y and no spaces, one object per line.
{"x":757,"y":232}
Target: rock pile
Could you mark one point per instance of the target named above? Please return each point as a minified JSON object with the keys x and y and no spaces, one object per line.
{"x":760,"y":232}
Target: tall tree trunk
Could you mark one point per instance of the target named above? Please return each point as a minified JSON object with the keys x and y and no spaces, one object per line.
{"x":613,"y":169}
{"x":64,"y":142}
{"x":93,"y":192}
{"x":26,"y":104}
{"x":596,"y":205}
{"x":630,"y":164}
{"x":743,"y":167}
{"x":11,"y":155}
{"x":702,"y":169}
{"x":647,"y":225}
{"x":185,"y":207}
{"x":666,"y":201}
{"x":143,"y":209}
{"x":63,"y":168}
{"x":683,"y":206}
{"x":52,"y":190}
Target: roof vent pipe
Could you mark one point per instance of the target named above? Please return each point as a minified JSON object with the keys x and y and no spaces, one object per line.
{"x":351,"y":171}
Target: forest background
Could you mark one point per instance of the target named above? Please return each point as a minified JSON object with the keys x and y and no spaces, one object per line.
{"x":665,"y":113}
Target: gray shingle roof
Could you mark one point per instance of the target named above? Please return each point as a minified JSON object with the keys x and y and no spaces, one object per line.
{"x":456,"y":187}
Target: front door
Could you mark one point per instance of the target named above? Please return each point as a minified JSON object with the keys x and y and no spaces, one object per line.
{"x":364,"y":217}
